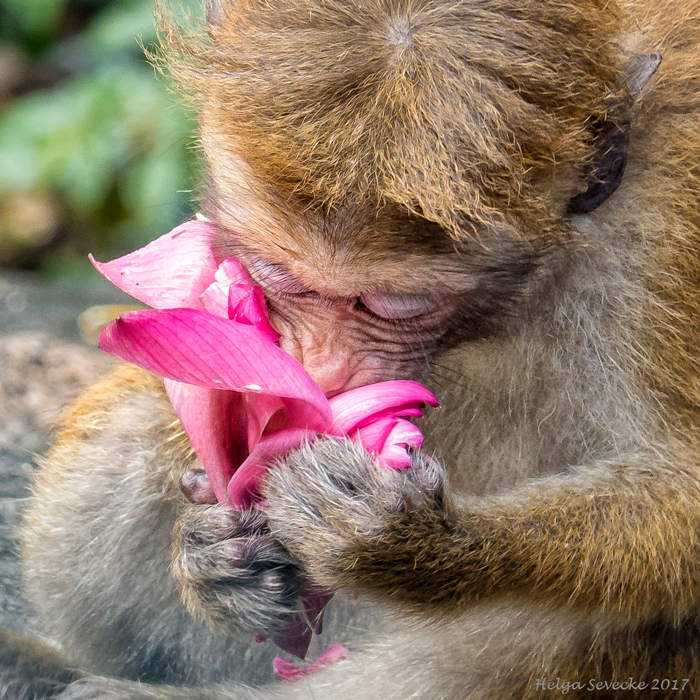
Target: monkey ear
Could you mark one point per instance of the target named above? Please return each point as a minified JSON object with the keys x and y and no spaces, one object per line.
{"x":612,"y":142}
{"x":607,"y":169}
{"x":213,"y":10}
{"x":641,"y":71}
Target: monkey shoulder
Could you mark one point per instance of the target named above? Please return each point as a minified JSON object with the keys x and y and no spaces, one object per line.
{"x":122,"y":424}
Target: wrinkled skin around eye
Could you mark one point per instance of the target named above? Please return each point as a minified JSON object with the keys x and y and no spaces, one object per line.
{"x":343,"y":345}
{"x":350,"y":341}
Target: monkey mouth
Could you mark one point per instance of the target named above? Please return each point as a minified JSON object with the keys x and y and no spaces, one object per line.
{"x":242,"y":400}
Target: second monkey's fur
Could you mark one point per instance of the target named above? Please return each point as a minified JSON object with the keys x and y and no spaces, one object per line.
{"x":343,"y":138}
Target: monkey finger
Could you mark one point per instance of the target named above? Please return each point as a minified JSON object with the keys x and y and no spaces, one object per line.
{"x":248,"y":582}
{"x":425,"y":481}
{"x":196,"y":487}
{"x":210,"y":524}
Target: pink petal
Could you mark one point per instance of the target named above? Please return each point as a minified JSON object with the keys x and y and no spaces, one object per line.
{"x":230,"y":273}
{"x":251,"y":308}
{"x":387,"y":439}
{"x":172,"y":271}
{"x":296,"y":636}
{"x":289,"y":672}
{"x":243,"y":487}
{"x":259,"y":409}
{"x":374,"y":435}
{"x":408,"y":410}
{"x":358,"y":406}
{"x":405,"y":433}
{"x":314,"y":602}
{"x":236,"y":294}
{"x":198,"y":348}
{"x":394,"y":457}
{"x":394,"y":453}
{"x":206,"y":416}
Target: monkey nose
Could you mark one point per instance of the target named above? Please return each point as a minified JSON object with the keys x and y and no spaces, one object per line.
{"x":330,"y":366}
{"x":333,"y":374}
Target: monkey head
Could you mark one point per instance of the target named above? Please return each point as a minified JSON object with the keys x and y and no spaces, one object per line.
{"x":392,"y":177}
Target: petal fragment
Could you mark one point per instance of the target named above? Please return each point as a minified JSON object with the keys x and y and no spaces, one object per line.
{"x":250,"y":308}
{"x":172,"y":271}
{"x":289,"y":672}
{"x":215,"y":297}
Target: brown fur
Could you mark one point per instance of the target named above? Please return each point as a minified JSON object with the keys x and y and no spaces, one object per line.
{"x":423,"y":108}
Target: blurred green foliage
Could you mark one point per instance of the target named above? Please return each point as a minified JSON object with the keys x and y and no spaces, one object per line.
{"x":95,"y":153}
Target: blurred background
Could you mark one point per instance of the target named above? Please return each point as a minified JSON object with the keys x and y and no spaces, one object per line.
{"x":96,"y":155}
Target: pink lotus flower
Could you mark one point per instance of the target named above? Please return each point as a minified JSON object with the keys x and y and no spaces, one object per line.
{"x":290,"y":672}
{"x":242,"y":400}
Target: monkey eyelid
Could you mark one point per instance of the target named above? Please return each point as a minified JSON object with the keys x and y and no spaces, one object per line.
{"x":399,"y":306}
{"x":388,"y":306}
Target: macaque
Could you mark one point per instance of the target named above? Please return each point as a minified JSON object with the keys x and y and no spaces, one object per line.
{"x":500,"y":198}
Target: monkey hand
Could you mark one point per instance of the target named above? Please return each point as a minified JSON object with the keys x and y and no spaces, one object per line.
{"x":349,"y":521}
{"x":232,"y":571}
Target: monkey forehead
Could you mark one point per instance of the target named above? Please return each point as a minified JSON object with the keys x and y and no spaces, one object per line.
{"x":355,"y":247}
{"x":350,"y":247}
{"x":457,"y":109}
{"x":335,"y":269}
{"x":242,"y":195}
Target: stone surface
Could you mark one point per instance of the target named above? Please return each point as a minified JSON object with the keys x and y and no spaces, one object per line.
{"x":43,"y":365}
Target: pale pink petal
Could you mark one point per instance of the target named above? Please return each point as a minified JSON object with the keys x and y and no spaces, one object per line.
{"x":357,"y":406}
{"x":236,"y":294}
{"x":198,"y":348}
{"x":243,"y":487}
{"x":206,"y":416}
{"x":289,"y":672}
{"x":172,"y":271}
{"x":229,"y":274}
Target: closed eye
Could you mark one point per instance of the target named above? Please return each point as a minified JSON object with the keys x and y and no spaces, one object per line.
{"x":399,"y":306}
{"x":274,"y":278}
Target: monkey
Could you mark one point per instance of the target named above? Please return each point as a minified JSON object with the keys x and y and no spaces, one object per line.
{"x":500,"y":199}
{"x":30,"y":669}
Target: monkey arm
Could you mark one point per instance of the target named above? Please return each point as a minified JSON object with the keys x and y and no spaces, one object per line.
{"x":97,"y":539}
{"x":619,"y":538}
